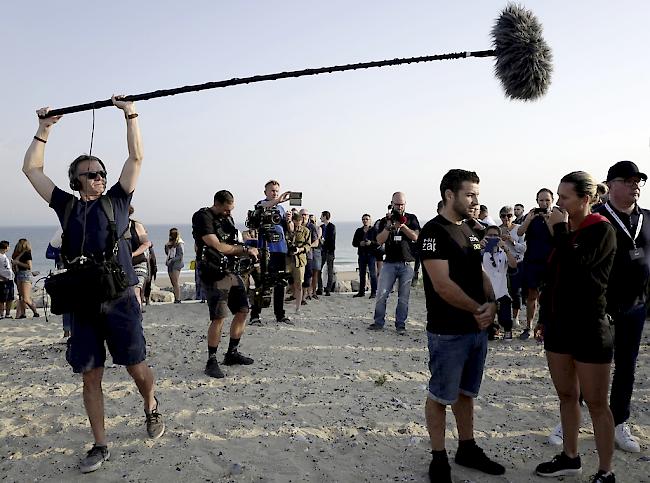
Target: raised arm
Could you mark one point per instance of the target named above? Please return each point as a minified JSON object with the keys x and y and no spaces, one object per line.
{"x":35,"y":156}
{"x":133,"y":164}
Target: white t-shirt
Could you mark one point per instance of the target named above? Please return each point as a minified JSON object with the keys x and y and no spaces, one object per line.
{"x":498,"y":274}
{"x":518,"y":244}
{"x":5,"y":267}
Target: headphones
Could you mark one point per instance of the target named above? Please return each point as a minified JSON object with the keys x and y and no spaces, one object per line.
{"x":75,"y":184}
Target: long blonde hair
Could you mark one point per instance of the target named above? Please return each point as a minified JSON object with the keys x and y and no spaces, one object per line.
{"x":23,"y":245}
{"x":174,"y":237}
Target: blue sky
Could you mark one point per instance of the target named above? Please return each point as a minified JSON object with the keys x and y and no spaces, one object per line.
{"x":346,"y":140}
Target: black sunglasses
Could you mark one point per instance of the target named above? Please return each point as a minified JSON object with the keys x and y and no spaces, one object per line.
{"x":506,"y":215}
{"x":93,"y":174}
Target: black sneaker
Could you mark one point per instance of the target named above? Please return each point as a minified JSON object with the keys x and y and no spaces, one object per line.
{"x":327,"y":293}
{"x":234,"y":357}
{"x":155,"y":423}
{"x":212,"y":368}
{"x":255,"y":321}
{"x":375,"y":327}
{"x":315,"y":296}
{"x":525,"y":334}
{"x":358,"y":294}
{"x":440,"y":471}
{"x":401,"y":331}
{"x":286,"y":320}
{"x":94,"y":459}
{"x":560,"y":465}
{"x":474,"y":457}
{"x":319,"y":292}
{"x":603,"y":477}
{"x":372,"y":296}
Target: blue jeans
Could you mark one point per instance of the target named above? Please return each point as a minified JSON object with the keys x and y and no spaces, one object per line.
{"x":390,"y":272}
{"x":628,"y":328}
{"x":367,"y":261}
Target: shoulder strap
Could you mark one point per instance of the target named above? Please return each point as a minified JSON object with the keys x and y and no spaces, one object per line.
{"x":64,"y":225}
{"x":109,"y":211}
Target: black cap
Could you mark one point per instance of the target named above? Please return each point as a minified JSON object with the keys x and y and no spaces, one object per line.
{"x":625,"y":169}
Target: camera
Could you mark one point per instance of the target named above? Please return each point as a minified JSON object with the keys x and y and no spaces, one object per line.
{"x":295,"y":198}
{"x":264,"y":221}
{"x":395,"y":215}
{"x":491,"y":244}
{"x":540,"y":211}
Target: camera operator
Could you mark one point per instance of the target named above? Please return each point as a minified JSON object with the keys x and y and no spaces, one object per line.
{"x":214,"y":230}
{"x":277,"y":250}
{"x":89,"y":234}
{"x":398,"y":231}
{"x":538,"y":249}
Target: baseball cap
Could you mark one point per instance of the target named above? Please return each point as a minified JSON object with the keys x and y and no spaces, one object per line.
{"x":625,"y":169}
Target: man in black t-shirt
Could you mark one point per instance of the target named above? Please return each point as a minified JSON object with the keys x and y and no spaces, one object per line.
{"x":460,"y":307}
{"x":398,"y":232}
{"x":214,"y":229}
{"x":118,"y":322}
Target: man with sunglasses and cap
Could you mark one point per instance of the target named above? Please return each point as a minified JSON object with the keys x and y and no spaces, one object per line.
{"x":118,"y":322}
{"x":627,"y":295}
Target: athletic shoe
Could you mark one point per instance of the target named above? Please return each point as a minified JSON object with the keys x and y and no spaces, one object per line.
{"x":603,"y":477}
{"x":625,"y":440}
{"x":235,"y":357}
{"x":286,"y":320}
{"x":94,"y":459}
{"x":291,"y":298}
{"x":360,"y":294}
{"x":440,"y":471}
{"x":556,"y":438}
{"x":327,"y":293}
{"x":474,"y":457}
{"x":255,"y":321}
{"x":303,"y":302}
{"x":560,"y":465}
{"x":212,"y":368}
{"x":507,"y":336}
{"x":525,"y":335}
{"x":401,"y":331}
{"x":372,"y":296}
{"x":375,"y":327}
{"x":36,"y":314}
{"x":315,"y":296}
{"x":155,"y":423}
{"x":319,"y":292}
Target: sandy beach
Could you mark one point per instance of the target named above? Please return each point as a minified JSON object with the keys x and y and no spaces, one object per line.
{"x":326,"y":400}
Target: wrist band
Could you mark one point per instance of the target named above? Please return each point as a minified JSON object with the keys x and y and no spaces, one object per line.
{"x":131,"y":116}
{"x":40,"y":139}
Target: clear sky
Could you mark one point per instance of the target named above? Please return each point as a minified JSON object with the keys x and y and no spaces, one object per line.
{"x":346,"y":140}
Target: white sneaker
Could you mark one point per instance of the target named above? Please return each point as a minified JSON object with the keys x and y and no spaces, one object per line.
{"x":625,"y":440}
{"x":556,"y":438}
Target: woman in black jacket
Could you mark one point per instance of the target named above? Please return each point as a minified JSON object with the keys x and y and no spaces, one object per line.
{"x":575,"y":327}
{"x":365,"y":240}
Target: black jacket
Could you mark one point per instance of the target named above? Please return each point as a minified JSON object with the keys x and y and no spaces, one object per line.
{"x":360,"y":235}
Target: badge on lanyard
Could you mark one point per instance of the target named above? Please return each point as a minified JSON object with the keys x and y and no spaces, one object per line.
{"x":636,"y":253}
{"x":397,"y":238}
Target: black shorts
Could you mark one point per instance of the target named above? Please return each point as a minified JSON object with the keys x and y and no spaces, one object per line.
{"x":533,"y":274}
{"x":591,"y":345}
{"x":227,"y":293}
{"x":6,"y":291}
{"x":118,"y":323}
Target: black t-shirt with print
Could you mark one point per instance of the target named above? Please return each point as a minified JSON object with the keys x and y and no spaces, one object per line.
{"x":399,"y":248}
{"x":440,"y":239}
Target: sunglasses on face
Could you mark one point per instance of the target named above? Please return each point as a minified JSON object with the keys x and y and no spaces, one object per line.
{"x":506,"y":215}
{"x":93,"y":174}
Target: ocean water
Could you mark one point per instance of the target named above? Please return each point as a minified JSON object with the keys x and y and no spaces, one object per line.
{"x":40,"y":236}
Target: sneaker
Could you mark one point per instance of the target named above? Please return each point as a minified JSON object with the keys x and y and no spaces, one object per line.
{"x":36,"y":314}
{"x":372,"y":296}
{"x":303,"y":302}
{"x":319,"y":292}
{"x":603,"y":477}
{"x":507,"y":335}
{"x":255,"y":321}
{"x":290,"y":299}
{"x":286,"y":320}
{"x":327,"y":293}
{"x":525,"y":334}
{"x":212,"y":368}
{"x":625,"y":440}
{"x":177,"y":301}
{"x":556,"y":438}
{"x":375,"y":327}
{"x":359,"y":294}
{"x":315,"y":297}
{"x":235,"y":357}
{"x":440,"y":471}
{"x":401,"y":331}
{"x":474,"y":457}
{"x":94,"y":459}
{"x":560,"y":465}
{"x":155,"y":423}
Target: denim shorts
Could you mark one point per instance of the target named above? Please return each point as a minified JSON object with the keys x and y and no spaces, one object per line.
{"x":229,"y":293}
{"x":317,"y":259}
{"x":456,"y":364}
{"x":24,"y":276}
{"x":118,"y":323}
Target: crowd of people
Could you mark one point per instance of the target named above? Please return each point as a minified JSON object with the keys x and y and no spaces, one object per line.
{"x":581,"y":264}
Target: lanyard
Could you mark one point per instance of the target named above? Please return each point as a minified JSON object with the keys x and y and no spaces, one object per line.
{"x":622,"y":225}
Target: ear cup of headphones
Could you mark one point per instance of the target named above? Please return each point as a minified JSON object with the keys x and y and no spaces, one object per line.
{"x":75,"y":184}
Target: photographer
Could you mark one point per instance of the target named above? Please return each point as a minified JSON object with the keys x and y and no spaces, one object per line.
{"x":538,"y":249}
{"x":398,"y":232}
{"x":277,"y":250}
{"x":87,"y":230}
{"x":299,"y":245}
{"x":216,"y":239}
